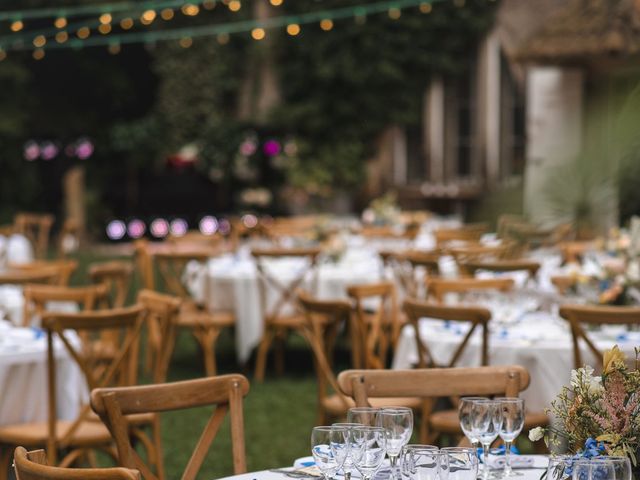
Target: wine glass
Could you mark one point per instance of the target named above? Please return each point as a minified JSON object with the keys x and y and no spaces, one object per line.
{"x":368,"y":449}
{"x":462,"y":463}
{"x":398,"y":426}
{"x":423,"y":462}
{"x":347,"y":466}
{"x":329,"y":447}
{"x":512,"y":411}
{"x":559,"y":467}
{"x":486,"y":421}
{"x":464,"y":414}
{"x":368,"y":416}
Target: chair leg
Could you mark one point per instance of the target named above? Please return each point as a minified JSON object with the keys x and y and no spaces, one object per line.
{"x":261,"y":356}
{"x":207,"y":337}
{"x":157,"y":440}
{"x":281,"y":339}
{"x":5,"y":461}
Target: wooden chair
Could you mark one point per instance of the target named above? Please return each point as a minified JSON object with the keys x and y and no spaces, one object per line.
{"x":468,"y":233}
{"x":579,"y":315}
{"x":225,"y":392}
{"x":116,"y":276}
{"x":205,"y":324}
{"x":36,"y":227}
{"x":278,"y":322}
{"x":144,"y":264}
{"x":412,"y":268}
{"x":78,"y":437}
{"x":438,"y":288}
{"x":366,"y":387}
{"x":501,"y":266}
{"x":323,"y":318}
{"x":33,"y":466}
{"x":374,"y":331}
{"x":479,"y":252}
{"x":36,"y":298}
{"x":59,"y":271}
{"x":22,"y":277}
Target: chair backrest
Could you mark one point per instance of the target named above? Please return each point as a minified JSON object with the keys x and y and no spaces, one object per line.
{"x":161,"y":313}
{"x":144,"y":263}
{"x":116,"y":275}
{"x":529,"y":266}
{"x":374,"y":329}
{"x":437,"y":288}
{"x":58,"y":271}
{"x":171,"y":266}
{"x":22,"y":277}
{"x":36,"y":228}
{"x":286,"y":291}
{"x":407,"y":266}
{"x":33,"y":466}
{"x":98,"y":370}
{"x":476,"y":252}
{"x":468,"y":233}
{"x":361,"y":385}
{"x":323,"y":320}
{"x":36,"y":298}
{"x":475,"y":316}
{"x":225,"y":392}
{"x":579,"y":315}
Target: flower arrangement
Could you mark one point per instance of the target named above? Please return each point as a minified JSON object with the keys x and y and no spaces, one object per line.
{"x":598,"y":415}
{"x":383,"y":210}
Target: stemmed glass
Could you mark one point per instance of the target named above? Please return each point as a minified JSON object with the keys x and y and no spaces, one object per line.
{"x":368,"y":449}
{"x":348,"y":466}
{"x":486,"y":421}
{"x":367,"y":416}
{"x":329,"y":447}
{"x":423,"y":462}
{"x":398,"y":426}
{"x":462,"y":463}
{"x":464,"y":414}
{"x":559,"y":467}
{"x":512,"y":411}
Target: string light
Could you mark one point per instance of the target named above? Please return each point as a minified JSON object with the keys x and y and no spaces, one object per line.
{"x":222,"y":38}
{"x":148,"y":16}
{"x":60,"y":22}
{"x":62,"y":37}
{"x":17,"y":26}
{"x":293,"y":29}
{"x":167,"y":14}
{"x":126,"y":23}
{"x":38,"y":54}
{"x":326,"y":24}
{"x":39,"y":41}
{"x":190,"y":10}
{"x":425,"y":7}
{"x":114,"y":49}
{"x":186,"y":42}
{"x":235,"y":5}
{"x":83,"y":33}
{"x":276,"y":3}
{"x":258,"y":33}
{"x":394,"y":13}
{"x":105,"y":18}
{"x":209,"y":4}
{"x":104,"y":29}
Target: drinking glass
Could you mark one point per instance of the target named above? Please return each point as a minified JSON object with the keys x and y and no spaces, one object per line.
{"x":512,"y":411}
{"x":419,"y":463}
{"x":486,"y":421}
{"x":398,"y":426}
{"x":347,"y":466}
{"x":602,"y":468}
{"x":368,"y":449}
{"x":461,"y":464}
{"x":329,"y":447}
{"x":559,"y":467}
{"x":464,"y":414}
{"x":368,"y":416}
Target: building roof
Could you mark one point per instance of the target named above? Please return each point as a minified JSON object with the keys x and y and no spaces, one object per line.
{"x":585,"y":29}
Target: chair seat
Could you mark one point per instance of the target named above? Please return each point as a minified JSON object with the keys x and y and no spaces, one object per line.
{"x":336,"y":408}
{"x":137,"y":420}
{"x":190,"y":317}
{"x":447,"y":421}
{"x":35,"y":434}
{"x":295,"y":321}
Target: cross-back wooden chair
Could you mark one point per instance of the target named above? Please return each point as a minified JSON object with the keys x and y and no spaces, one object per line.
{"x":374,"y":330}
{"x":194,"y":239}
{"x":580,"y":315}
{"x":33,"y":466}
{"x":470,"y":233}
{"x":144,"y":264}
{"x":60,"y":271}
{"x":479,"y":252}
{"x":438,"y":288}
{"x":500,"y":266}
{"x":36,"y":298}
{"x":225,"y":392}
{"x":367,"y":386}
{"x":278,"y":322}
{"x":23,"y":277}
{"x":116,"y":276}
{"x":205,"y":324}
{"x":79,"y":437}
{"x":323,"y":319}
{"x":412,"y":268}
{"x":36,"y":227}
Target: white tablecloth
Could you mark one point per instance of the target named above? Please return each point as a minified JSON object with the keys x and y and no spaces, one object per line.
{"x":12,"y":306}
{"x":23,"y":377}
{"x":15,"y":249}
{"x":539,"y":342}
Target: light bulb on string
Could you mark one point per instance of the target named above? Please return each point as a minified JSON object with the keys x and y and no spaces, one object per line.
{"x":62,"y":37}
{"x":235,"y":5}
{"x":39,"y":41}
{"x":186,"y":42}
{"x":394,"y":13}
{"x":326,"y":24}
{"x":167,"y":14}
{"x":83,"y":33}
{"x":38,"y":54}
{"x":209,"y":4}
{"x":190,"y":10}
{"x":104,"y":29}
{"x":60,"y":22}
{"x":126,"y":23}
{"x":114,"y":48}
{"x":258,"y":33}
{"x":222,"y":38}
{"x":425,"y":7}
{"x":275,"y":3}
{"x":16,"y":26}
{"x":148,"y":17}
{"x":293,"y":29}
{"x":105,"y":18}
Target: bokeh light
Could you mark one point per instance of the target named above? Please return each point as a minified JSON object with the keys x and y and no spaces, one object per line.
{"x":159,"y":228}
{"x":116,"y":230}
{"x":224,"y":226}
{"x":208,"y":225}
{"x":136,"y":228}
{"x":31,"y":151}
{"x":179,"y":227}
{"x":249,"y":220}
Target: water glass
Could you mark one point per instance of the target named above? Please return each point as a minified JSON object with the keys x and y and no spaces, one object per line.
{"x":559,"y":467}
{"x":461,"y":464}
{"x":368,"y":416}
{"x":368,"y":449}
{"x":486,"y":422}
{"x":348,"y":466}
{"x":419,"y":463}
{"x":398,"y":426}
{"x":512,"y":411}
{"x":329,"y":447}
{"x":602,"y":468}
{"x":464,"y":414}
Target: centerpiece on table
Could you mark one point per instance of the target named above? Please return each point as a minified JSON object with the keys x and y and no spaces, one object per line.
{"x":597,"y":415}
